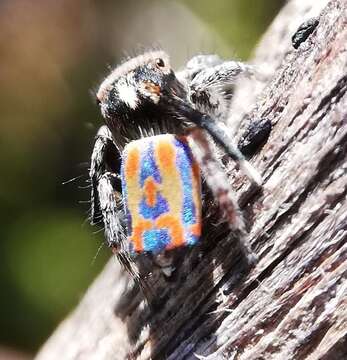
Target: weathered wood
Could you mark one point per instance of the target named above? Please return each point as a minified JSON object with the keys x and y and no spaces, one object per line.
{"x":293,"y":303}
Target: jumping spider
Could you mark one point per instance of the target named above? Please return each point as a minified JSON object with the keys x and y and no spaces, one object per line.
{"x":143,"y":97}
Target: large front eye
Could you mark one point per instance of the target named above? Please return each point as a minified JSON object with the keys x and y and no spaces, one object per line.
{"x":160,"y":62}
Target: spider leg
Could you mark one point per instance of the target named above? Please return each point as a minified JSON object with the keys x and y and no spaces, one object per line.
{"x":203,"y":61}
{"x":103,"y":142}
{"x":209,"y":92}
{"x":215,"y":177}
{"x":196,"y":64}
{"x":211,"y":89}
{"x":217,"y":181}
{"x":107,"y":206}
{"x":111,"y":209}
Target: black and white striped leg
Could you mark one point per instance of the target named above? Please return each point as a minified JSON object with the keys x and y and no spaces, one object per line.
{"x":107,"y":206}
{"x":218,"y":182}
{"x":216,"y":178}
{"x":211,"y":89}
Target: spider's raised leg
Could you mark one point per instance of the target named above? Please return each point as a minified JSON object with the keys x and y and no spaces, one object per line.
{"x":211,"y":88}
{"x":217,"y":181}
{"x":107,"y":206}
{"x":210,"y":91}
{"x":222,"y":75}
{"x":215,"y":177}
{"x":196,"y":64}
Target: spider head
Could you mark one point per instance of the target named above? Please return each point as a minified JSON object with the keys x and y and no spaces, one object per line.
{"x":129,"y":97}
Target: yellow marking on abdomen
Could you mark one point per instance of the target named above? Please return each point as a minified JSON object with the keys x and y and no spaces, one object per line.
{"x":171,"y":185}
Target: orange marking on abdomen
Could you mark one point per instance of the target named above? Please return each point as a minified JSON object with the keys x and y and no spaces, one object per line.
{"x":166,"y":155}
{"x":196,"y":229}
{"x":137,"y":233}
{"x":175,"y":228}
{"x":132,"y":162}
{"x":150,"y":188}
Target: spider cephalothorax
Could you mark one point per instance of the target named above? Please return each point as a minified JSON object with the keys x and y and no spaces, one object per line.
{"x":129,"y":98}
{"x":142,"y":99}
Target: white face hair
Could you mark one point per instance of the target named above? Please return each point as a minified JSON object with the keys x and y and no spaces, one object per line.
{"x":127,"y":93}
{"x":124,"y":70}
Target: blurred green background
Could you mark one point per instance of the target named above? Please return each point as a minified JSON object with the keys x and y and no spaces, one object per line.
{"x":53,"y":55}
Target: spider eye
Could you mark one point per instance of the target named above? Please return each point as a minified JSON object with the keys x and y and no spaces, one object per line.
{"x":98,"y":101}
{"x":160,"y":62}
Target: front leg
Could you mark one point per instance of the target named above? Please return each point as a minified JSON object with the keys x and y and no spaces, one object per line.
{"x":107,"y":207}
{"x":212,"y":88}
{"x":98,"y":166}
{"x":196,"y":64}
{"x":218,"y":182}
{"x":216,"y":178}
{"x":209,"y":82}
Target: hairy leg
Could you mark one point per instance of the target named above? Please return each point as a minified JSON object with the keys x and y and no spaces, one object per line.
{"x":211,"y":88}
{"x":107,"y":205}
{"x":218,"y":182}
{"x":216,"y":178}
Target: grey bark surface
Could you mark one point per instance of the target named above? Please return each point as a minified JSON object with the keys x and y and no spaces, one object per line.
{"x":293,"y":303}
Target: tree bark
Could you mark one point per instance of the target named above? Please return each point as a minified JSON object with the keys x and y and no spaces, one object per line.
{"x":292,"y":304}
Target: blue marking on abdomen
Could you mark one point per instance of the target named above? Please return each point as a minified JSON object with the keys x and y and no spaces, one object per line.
{"x":161,"y":207}
{"x":184,"y":165}
{"x":156,"y":240}
{"x":148,"y":166}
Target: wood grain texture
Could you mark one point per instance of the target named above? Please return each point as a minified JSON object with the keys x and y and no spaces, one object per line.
{"x":293,"y":303}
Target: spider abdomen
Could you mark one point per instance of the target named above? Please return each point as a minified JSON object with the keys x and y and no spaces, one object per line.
{"x":162,"y":194}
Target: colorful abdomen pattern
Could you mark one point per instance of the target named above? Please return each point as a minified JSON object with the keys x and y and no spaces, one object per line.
{"x":162,"y":194}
